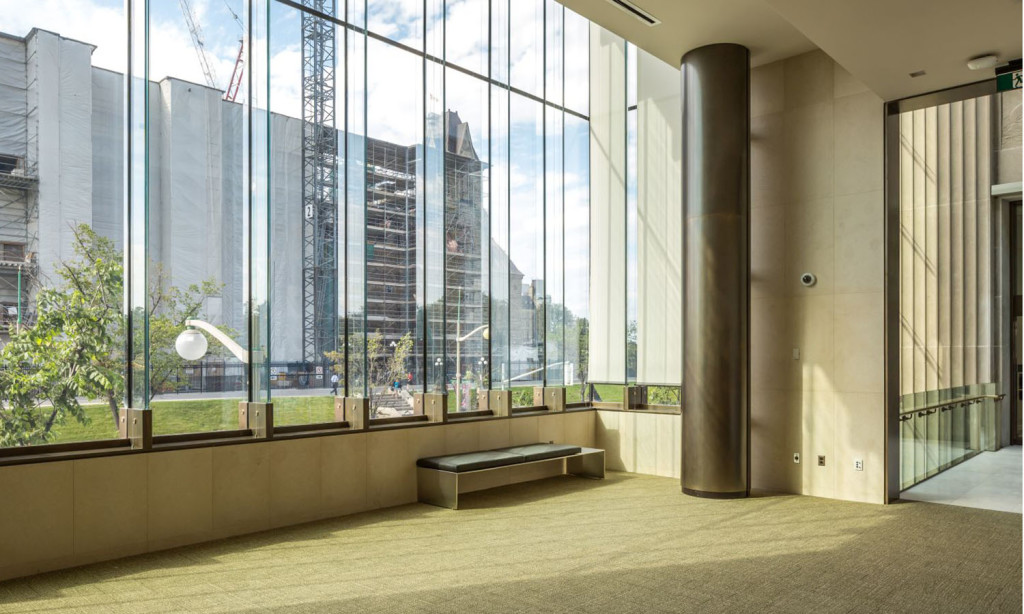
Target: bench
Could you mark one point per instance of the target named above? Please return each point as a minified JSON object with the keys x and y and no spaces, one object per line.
{"x":437,"y":477}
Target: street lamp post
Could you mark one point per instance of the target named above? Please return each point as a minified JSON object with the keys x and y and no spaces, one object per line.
{"x":486,"y":332}
{"x":191,"y":344}
{"x":437,"y":369}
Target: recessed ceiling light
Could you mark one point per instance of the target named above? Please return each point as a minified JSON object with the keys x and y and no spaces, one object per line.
{"x":982,"y":61}
{"x":636,"y":11}
{"x":916,"y":74}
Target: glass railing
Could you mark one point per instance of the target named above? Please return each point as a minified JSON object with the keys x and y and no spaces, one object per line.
{"x":941,"y":428}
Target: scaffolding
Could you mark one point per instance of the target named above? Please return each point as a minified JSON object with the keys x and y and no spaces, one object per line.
{"x":19,"y":186}
{"x":391,"y":207}
{"x":319,"y":174}
{"x":395,"y":225}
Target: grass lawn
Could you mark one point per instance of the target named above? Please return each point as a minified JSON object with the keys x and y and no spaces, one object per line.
{"x":198,"y":416}
{"x":207,"y":415}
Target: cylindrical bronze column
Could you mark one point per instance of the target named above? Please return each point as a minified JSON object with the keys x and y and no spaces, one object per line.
{"x":716,"y":307}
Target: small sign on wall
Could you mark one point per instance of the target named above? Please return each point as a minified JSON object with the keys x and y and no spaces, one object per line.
{"x":1008,"y":81}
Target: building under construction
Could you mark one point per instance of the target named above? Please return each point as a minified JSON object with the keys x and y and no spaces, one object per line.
{"x":61,"y":164}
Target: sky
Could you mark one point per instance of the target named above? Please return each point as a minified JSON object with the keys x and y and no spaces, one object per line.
{"x":393,"y":79}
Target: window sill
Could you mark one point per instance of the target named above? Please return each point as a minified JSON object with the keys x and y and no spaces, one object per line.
{"x":164,"y":443}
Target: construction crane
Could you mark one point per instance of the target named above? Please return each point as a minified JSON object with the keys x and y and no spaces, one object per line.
{"x":319,"y":172}
{"x":231,"y":94}
{"x":197,"y":42}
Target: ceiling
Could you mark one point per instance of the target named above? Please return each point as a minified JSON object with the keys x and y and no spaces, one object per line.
{"x":687,"y":24}
{"x":880,"y":42}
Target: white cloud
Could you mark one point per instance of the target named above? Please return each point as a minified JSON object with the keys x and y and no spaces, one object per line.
{"x":394,"y":83}
{"x":466,"y":31}
{"x":399,"y":20}
{"x":98,"y":22}
{"x":103,"y":23}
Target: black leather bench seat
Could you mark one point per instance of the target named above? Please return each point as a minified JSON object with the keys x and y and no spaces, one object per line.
{"x":473,"y":461}
{"x":542,"y":451}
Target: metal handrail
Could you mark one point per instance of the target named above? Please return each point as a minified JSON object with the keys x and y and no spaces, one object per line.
{"x":950,"y":402}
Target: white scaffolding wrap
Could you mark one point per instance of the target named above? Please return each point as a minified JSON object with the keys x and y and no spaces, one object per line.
{"x":286,"y":220}
{"x":60,"y":141}
{"x":13,"y":98}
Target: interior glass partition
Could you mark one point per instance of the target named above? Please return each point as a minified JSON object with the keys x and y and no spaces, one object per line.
{"x":951,"y":292}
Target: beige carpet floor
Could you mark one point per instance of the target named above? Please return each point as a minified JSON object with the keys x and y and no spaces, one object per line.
{"x":626,"y":544}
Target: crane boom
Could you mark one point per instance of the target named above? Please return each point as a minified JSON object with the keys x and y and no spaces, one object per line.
{"x":197,"y":41}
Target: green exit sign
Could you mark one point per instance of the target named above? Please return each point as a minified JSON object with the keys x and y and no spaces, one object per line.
{"x":1008,"y":81}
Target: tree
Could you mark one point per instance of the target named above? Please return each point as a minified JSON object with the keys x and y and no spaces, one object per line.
{"x":76,"y":347}
{"x":383,"y":370}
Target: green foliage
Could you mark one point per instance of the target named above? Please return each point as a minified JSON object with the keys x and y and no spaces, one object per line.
{"x":385,"y":363}
{"x":76,"y":347}
{"x":522,"y":396}
{"x":663,"y":395}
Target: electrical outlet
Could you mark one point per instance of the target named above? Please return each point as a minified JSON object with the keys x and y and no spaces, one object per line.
{"x":821,"y":460}
{"x":796,"y":353}
{"x":796,"y":457}
{"x":858,"y":464}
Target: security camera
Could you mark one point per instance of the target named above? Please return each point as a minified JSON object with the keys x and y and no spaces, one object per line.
{"x":808,"y":279}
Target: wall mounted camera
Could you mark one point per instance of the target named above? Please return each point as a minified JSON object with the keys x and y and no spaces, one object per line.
{"x":808,"y":279}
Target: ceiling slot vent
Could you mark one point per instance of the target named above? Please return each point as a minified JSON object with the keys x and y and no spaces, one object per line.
{"x":636,"y":11}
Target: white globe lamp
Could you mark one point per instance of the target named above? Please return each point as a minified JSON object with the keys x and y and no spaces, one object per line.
{"x":191,"y":344}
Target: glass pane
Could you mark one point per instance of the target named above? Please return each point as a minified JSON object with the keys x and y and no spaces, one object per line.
{"x":466,"y":43}
{"x":197,"y":236}
{"x":500,"y":40}
{"x":554,"y":58}
{"x":554,"y":229}
{"x":257,"y":224}
{"x":435,"y":28}
{"x":433,"y":250}
{"x":499,"y":247}
{"x":62,"y":137}
{"x":577,"y":256}
{"x":526,"y":267}
{"x":395,"y":224}
{"x":355,"y":367}
{"x":467,"y":244}
{"x":306,"y":119}
{"x":632,"y":266}
{"x":136,"y":234}
{"x":631,"y":54}
{"x":398,"y":20}
{"x":577,"y":63}
{"x":526,"y":53}
{"x":663,"y":395}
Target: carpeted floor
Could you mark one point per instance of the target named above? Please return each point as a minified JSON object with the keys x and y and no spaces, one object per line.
{"x":626,"y":544}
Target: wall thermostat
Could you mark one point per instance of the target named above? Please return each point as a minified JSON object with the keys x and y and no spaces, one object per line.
{"x":808,"y":279}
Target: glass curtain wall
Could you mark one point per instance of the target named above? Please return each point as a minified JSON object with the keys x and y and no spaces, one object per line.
{"x":291,"y":201}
